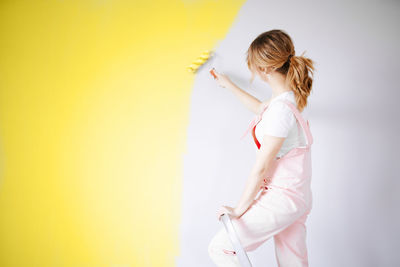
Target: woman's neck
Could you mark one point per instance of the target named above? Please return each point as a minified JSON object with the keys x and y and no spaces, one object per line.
{"x":278,"y":85}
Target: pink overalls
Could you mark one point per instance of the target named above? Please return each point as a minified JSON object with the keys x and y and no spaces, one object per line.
{"x":280,"y":210}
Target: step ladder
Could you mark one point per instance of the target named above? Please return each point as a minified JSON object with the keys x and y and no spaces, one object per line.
{"x":240,"y":252}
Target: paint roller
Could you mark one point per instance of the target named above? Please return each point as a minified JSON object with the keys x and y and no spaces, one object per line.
{"x":203,"y":58}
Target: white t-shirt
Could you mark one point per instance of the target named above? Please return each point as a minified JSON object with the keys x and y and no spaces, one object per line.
{"x":279,"y":120}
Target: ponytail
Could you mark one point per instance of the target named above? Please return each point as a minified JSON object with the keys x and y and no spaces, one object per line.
{"x":299,"y":80}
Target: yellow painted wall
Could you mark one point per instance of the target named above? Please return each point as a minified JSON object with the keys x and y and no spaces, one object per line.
{"x":94,"y":100}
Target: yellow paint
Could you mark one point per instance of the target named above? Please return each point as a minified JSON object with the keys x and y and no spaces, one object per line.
{"x":94,"y":101}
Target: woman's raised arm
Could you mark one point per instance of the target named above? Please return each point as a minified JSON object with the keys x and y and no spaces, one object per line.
{"x":249,"y":101}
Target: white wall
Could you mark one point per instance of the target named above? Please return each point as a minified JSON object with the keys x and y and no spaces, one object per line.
{"x":354,"y":119}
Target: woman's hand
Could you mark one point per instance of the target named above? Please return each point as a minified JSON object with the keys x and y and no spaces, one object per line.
{"x":226,"y":210}
{"x":221,"y":79}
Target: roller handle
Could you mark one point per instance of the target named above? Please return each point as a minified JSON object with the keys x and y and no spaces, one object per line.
{"x":213,"y":73}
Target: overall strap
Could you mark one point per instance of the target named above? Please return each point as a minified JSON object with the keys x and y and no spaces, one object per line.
{"x":305,"y":125}
{"x":253,"y":122}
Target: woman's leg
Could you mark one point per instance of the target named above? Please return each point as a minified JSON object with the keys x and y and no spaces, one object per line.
{"x":270,"y":214}
{"x":290,"y":245}
{"x":221,"y":250}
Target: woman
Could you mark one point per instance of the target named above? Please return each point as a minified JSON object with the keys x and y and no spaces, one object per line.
{"x":283,"y":162}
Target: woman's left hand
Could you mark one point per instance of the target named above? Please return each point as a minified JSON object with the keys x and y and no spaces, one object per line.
{"x":226,"y":210}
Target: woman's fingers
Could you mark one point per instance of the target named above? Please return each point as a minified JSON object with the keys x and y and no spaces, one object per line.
{"x":214,"y":73}
{"x":222,"y":79}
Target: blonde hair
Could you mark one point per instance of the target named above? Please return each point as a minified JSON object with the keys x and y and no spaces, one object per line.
{"x":275,"y":49}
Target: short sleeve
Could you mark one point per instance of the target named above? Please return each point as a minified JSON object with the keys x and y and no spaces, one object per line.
{"x":277,"y":120}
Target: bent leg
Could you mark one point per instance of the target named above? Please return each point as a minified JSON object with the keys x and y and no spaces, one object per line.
{"x":269,"y":215}
{"x":290,"y":245}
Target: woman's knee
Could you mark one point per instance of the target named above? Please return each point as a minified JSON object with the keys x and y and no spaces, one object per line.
{"x":219,"y":243}
{"x":221,"y":252}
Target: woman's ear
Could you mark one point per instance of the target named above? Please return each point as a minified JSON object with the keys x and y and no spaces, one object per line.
{"x":269,"y":70}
